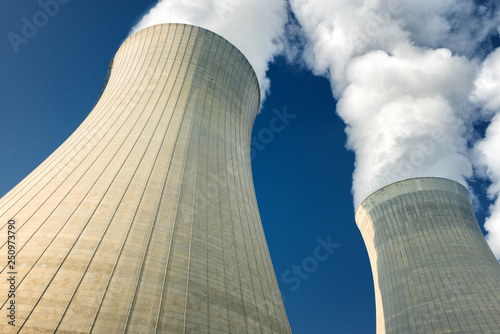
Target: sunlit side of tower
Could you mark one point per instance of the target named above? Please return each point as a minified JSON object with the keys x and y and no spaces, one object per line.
{"x":432,"y":268}
{"x":145,"y":219}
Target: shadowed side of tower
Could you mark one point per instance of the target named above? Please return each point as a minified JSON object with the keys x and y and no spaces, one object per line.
{"x":432,"y":268}
{"x":145,"y":219}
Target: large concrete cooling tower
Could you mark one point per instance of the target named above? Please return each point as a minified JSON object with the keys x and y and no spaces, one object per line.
{"x":432,"y":268}
{"x":145,"y":220}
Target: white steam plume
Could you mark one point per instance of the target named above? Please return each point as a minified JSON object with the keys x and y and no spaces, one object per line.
{"x":256,"y":27}
{"x":459,"y":25}
{"x":487,"y":150}
{"x":402,"y":71}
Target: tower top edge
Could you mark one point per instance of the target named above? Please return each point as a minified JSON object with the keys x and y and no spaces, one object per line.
{"x":409,"y":186}
{"x":202,"y":29}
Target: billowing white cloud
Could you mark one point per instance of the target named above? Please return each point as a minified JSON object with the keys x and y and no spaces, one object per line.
{"x":487,"y":151}
{"x":337,"y":31}
{"x":487,"y":85}
{"x":256,"y":27}
{"x":459,"y":25}
{"x":403,"y":101}
{"x":405,"y":116}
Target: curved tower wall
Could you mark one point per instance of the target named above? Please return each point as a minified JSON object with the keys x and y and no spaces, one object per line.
{"x":145,"y":219}
{"x":432,"y":268}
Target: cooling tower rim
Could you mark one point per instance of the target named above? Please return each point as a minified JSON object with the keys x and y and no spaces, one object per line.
{"x":210,"y":31}
{"x":410,"y":185}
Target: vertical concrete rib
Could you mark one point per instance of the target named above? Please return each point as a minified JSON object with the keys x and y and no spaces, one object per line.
{"x":432,"y":268}
{"x":145,"y":219}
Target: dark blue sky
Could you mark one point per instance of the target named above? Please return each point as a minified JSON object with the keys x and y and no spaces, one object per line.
{"x":302,"y":176}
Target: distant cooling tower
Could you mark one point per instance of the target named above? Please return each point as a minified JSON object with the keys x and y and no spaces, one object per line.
{"x":432,"y":268}
{"x":145,"y":220}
